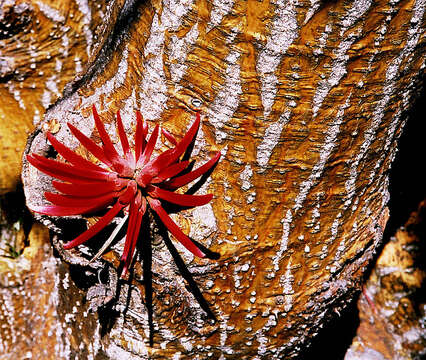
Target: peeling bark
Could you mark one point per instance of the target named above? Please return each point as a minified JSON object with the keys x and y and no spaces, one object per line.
{"x":392,"y":308}
{"x":306,"y":100}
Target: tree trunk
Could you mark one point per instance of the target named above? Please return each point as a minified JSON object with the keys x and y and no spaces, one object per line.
{"x":305,"y":100}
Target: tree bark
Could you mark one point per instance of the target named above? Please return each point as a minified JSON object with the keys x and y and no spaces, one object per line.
{"x":392,"y":307}
{"x":306,"y":101}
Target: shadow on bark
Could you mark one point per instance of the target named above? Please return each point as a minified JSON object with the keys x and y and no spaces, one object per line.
{"x":406,"y":190}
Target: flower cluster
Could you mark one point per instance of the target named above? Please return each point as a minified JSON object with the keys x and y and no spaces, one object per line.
{"x":131,"y":181}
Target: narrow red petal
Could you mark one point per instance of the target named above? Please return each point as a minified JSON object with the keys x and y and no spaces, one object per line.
{"x":180,"y":199}
{"x":130,"y":230}
{"x":134,"y":242}
{"x":169,"y":136}
{"x":109,"y":150}
{"x":153,"y":167}
{"x":73,"y":201}
{"x":66,"y":172}
{"x":140,"y":136}
{"x":136,"y":211}
{"x":54,"y":210}
{"x":123,"y":139}
{"x":72,"y":170}
{"x":149,"y":148}
{"x":173,"y":228}
{"x":87,"y":189}
{"x":187,"y":178}
{"x":93,"y":230}
{"x":187,"y":139}
{"x":71,"y":156}
{"x":90,"y":145}
{"x":170,"y":171}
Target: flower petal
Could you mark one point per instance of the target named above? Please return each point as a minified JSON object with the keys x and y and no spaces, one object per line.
{"x":66,"y":172}
{"x":123,"y":139}
{"x":187,"y":139}
{"x":110,"y":239}
{"x":94,"y":229}
{"x":90,"y":145}
{"x":173,"y":228}
{"x":86,"y":189}
{"x":179,"y":199}
{"x":71,"y":156}
{"x":169,"y":136}
{"x":136,"y":211}
{"x":53,"y":210}
{"x":110,"y":152}
{"x":149,"y":148}
{"x":140,"y":136}
{"x":170,"y":171}
{"x":72,"y":201}
{"x":187,"y":178}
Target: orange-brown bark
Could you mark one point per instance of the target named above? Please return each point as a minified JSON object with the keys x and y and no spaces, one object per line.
{"x":43,"y":46}
{"x":392,"y":309}
{"x":306,"y":101}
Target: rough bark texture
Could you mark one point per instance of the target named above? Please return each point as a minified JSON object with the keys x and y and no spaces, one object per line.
{"x":306,"y":101}
{"x":392,"y":310}
{"x":43,"y":45}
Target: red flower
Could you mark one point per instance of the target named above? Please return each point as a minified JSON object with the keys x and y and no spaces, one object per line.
{"x":133,"y":181}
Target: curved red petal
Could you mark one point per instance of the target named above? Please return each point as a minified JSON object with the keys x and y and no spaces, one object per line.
{"x":140,"y":136}
{"x":180,"y":199}
{"x":86,"y":189}
{"x":67,"y":172}
{"x":170,"y":171}
{"x":90,"y":145}
{"x":93,"y":230}
{"x":118,"y":163}
{"x":71,"y":156}
{"x":187,"y":139}
{"x":136,"y":211}
{"x":123,"y":139}
{"x":73,"y":201}
{"x":173,"y":228}
{"x":169,"y":136}
{"x":53,"y":210}
{"x":149,"y":148}
{"x":187,"y":178}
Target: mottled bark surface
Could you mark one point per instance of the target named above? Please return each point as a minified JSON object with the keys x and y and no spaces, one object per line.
{"x":43,"y":45}
{"x":393,"y":308}
{"x":306,"y":101}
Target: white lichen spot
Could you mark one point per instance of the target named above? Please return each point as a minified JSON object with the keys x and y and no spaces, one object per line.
{"x":78,"y":66}
{"x":251,"y":197}
{"x":338,"y":67}
{"x":219,"y":9}
{"x":284,"y":31}
{"x":178,"y":51}
{"x":245,"y":177}
{"x":270,"y":140}
{"x":284,"y":240}
{"x":327,"y":148}
{"x":314,"y":6}
{"x":65,"y":42}
{"x":245,"y":267}
{"x":204,"y":224}
{"x":51,"y":13}
{"x":85,"y":10}
{"x":16,"y":94}
{"x":227,"y":99}
{"x":322,"y":40}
